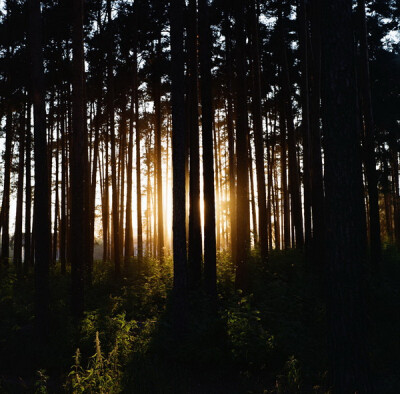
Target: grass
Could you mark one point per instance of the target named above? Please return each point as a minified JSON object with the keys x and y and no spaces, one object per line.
{"x":270,"y":340}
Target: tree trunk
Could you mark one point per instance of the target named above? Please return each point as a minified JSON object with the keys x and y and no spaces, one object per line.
{"x":158,"y":196}
{"x":78,"y":164}
{"x":129,"y":170}
{"x":345,"y":213}
{"x":115,"y":211}
{"x":231,"y":140}
{"x":318,"y":208}
{"x":20,"y":193}
{"x":242,"y":190}
{"x":369,"y":143}
{"x":294,"y":182}
{"x":284,"y":193}
{"x":64,"y":186}
{"x":28,"y":190}
{"x":305,"y":122}
{"x":207,"y":117}
{"x":258,"y":136}
{"x":5,"y":206}
{"x":178,"y":156}
{"x":42,"y":245}
{"x":138,"y":167}
{"x":195,"y":236}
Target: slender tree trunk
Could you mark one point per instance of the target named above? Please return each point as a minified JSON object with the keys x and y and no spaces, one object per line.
{"x":318,"y":208}
{"x":284,"y":193}
{"x":217,"y":160}
{"x":122,"y":159}
{"x":158,"y":213}
{"x":42,"y":245}
{"x":258,"y":136}
{"x":305,"y":122}
{"x":231,"y":141}
{"x":78,"y":164}
{"x":56,"y":200}
{"x":195,"y":236}
{"x":93,"y":184}
{"x":242,"y":191}
{"x":115,"y":211}
{"x":28,"y":190}
{"x":207,"y":117}
{"x":20,"y":193}
{"x":252,"y":197}
{"x":64,"y":186}
{"x":5,"y":206}
{"x":369,"y":142}
{"x":129,"y":170}
{"x":294,"y":182}
{"x":106,"y":201}
{"x":345,"y":214}
{"x":138,"y":167}
{"x":178,"y":155}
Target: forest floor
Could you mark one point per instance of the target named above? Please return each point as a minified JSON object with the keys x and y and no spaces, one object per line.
{"x":270,"y":340}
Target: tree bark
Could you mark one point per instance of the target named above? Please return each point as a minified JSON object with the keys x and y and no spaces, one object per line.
{"x":369,"y":143}
{"x":178,"y":152}
{"x":345,"y":213}
{"x":195,"y":236}
{"x":78,"y":164}
{"x":41,"y":222}
{"x":258,"y":136}
{"x":28,"y":190}
{"x":242,"y":190}
{"x":20,"y":193}
{"x":207,"y":118}
{"x":115,"y":211}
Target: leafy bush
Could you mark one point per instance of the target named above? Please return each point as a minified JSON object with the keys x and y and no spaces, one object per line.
{"x":101,"y":376}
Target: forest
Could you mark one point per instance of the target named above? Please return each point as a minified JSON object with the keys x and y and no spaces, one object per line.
{"x":200,"y":196}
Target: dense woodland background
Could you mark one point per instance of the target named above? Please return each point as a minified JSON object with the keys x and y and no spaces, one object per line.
{"x":202,"y":194}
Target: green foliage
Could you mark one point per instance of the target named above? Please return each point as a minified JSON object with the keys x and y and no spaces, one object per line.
{"x":268,"y":340}
{"x":251,"y":343}
{"x":101,"y":376}
{"x":290,"y":381}
{"x":41,"y":382}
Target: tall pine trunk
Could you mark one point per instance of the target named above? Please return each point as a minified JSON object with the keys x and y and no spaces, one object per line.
{"x":178,"y":158}
{"x":20,"y":194}
{"x":369,"y":142}
{"x":41,"y":222}
{"x":28,"y":189}
{"x":79,"y":241}
{"x":115,"y":211}
{"x":242,"y":189}
{"x":258,"y":136}
{"x":345,"y":213}
{"x":195,"y":236}
{"x":207,"y":118}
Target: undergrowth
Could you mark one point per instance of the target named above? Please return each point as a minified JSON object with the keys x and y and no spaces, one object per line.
{"x":270,"y":339}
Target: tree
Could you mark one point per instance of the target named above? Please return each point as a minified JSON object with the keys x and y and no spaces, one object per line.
{"x":42,"y":238}
{"x":178,"y":151}
{"x":258,"y":136}
{"x":294,"y":181}
{"x":195,"y":236}
{"x":78,"y":163}
{"x":207,"y":115}
{"x":111,"y":114}
{"x":28,"y":189}
{"x":345,"y":214}
{"x":20,"y":192}
{"x":242,"y":187}
{"x":317,"y":187}
{"x":369,"y":143}
{"x":158,"y":147}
